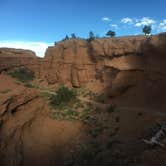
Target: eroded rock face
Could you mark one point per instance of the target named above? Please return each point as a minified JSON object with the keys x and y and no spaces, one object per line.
{"x":130,"y":71}
{"x":103,"y":65}
{"x":68,"y":62}
{"x":10,"y":103}
{"x":78,"y":62}
{"x":11,"y":58}
{"x":127,"y":68}
{"x":11,"y":52}
{"x":28,"y":134}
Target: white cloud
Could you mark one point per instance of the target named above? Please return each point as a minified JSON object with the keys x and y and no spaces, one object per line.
{"x":163,"y":23}
{"x":162,"y":26}
{"x":106,"y":19}
{"x":114,"y":25}
{"x":127,"y":20}
{"x":38,"y":47}
{"x":144,"y":21}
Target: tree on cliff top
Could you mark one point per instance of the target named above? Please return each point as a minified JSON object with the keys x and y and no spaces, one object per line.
{"x":73,"y":36}
{"x":147,"y":29}
{"x":91,"y":36}
{"x":110,"y":33}
{"x":67,"y":37}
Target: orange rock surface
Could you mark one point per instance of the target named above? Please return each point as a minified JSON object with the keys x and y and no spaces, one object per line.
{"x":128,"y":71}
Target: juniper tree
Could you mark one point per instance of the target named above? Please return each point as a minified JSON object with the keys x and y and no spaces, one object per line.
{"x":110,"y":33}
{"x":73,"y":36}
{"x":147,"y":29}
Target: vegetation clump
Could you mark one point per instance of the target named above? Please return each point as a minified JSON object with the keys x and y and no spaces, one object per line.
{"x":91,"y":36}
{"x":66,"y":37}
{"x":28,"y":85}
{"x":147,"y":30}
{"x":111,"y":33}
{"x":66,"y":114}
{"x":73,"y":36}
{"x":23,"y":75}
{"x":111,"y":108}
{"x":5,"y":91}
{"x":62,"y":97}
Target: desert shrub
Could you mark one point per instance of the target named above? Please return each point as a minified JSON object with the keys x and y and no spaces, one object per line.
{"x":66,"y":114}
{"x":89,"y":106}
{"x":79,"y":104}
{"x":97,"y":110}
{"x":96,"y":131}
{"x":28,"y":85}
{"x":22,"y":75}
{"x":45,"y":95}
{"x":5,"y":91}
{"x":100,"y":98}
{"x":62,"y":97}
{"x":84,"y":156}
{"x":111,"y":108}
{"x":85,"y":115}
{"x":111,"y":142}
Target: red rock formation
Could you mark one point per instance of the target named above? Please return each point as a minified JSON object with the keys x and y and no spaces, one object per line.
{"x":78,"y":62}
{"x":11,"y":58}
{"x":130,"y":71}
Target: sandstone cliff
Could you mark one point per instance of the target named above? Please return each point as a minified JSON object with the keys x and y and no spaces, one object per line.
{"x":113,"y":66}
{"x":128,"y":71}
{"x":136,"y":64}
{"x":11,"y":58}
{"x":78,"y":62}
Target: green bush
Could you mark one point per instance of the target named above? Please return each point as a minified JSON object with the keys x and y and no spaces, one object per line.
{"x":66,"y":114}
{"x":62,"y":97}
{"x":100,"y":98}
{"x":111,"y":143}
{"x":45,"y":95}
{"x":91,"y":36}
{"x":111,"y":108}
{"x":110,"y":33}
{"x":28,"y":85}
{"x":96,"y":131}
{"x":5,"y":91}
{"x":85,"y":115}
{"x":22,"y":75}
{"x":147,"y":29}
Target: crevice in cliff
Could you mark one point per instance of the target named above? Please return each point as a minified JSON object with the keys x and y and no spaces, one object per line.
{"x":91,"y":52}
{"x":12,"y":142}
{"x":12,"y":109}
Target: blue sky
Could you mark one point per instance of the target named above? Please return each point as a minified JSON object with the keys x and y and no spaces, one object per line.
{"x":35,"y":24}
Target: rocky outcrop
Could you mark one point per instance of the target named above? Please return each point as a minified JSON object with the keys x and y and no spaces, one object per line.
{"x":128,"y":71}
{"x":9,"y":104}
{"x":98,"y":64}
{"x":11,"y":52}
{"x":27,"y":132}
{"x":11,"y":58}
{"x":68,"y":62}
{"x":79,"y":62}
